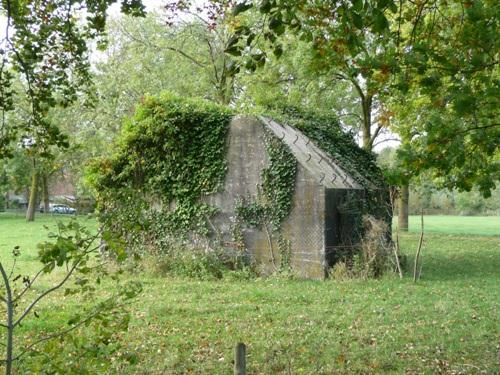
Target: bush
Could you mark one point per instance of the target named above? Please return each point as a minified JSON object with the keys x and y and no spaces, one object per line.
{"x":373,"y":258}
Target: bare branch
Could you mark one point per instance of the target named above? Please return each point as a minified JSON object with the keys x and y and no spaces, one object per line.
{"x":57,"y":286}
{"x":376,"y":132}
{"x":58,"y":334}
{"x":13,"y":267}
{"x":386,"y":140}
{"x":28,"y":286}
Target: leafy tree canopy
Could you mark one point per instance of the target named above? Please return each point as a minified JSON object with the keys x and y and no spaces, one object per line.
{"x":436,"y":59}
{"x":46,"y":45}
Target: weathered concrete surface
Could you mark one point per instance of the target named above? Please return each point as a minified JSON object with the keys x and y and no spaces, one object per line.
{"x":316,"y":225}
{"x":304,"y":227}
{"x":246,"y":158}
{"x":316,"y":161}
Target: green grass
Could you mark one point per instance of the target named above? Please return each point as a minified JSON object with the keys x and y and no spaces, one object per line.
{"x":470,"y":225}
{"x":446,"y":323}
{"x":16,"y":231}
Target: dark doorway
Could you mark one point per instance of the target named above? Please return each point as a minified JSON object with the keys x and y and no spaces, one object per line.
{"x":343,"y":210}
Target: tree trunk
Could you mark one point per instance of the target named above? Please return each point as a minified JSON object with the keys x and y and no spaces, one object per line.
{"x":366,"y":103}
{"x":403,"y":208}
{"x":45,"y":187}
{"x":30,"y":213}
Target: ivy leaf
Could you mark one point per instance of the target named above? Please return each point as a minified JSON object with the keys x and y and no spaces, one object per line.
{"x":265,"y":6}
{"x":357,"y":20}
{"x":234,"y":51}
{"x":278,"y":51}
{"x":381,"y":4}
{"x":276,"y":25}
{"x":357,"y":5}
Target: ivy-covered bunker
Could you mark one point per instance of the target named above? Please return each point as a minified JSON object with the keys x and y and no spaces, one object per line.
{"x":327,"y":202}
{"x":284,"y":193}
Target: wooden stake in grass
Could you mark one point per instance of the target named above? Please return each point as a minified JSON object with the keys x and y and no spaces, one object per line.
{"x":417,"y":255}
{"x":396,"y":255}
{"x":239,"y":359}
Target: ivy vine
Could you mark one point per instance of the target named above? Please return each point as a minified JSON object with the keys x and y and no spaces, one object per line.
{"x":325,"y":131}
{"x":275,"y":199}
{"x":170,"y":154}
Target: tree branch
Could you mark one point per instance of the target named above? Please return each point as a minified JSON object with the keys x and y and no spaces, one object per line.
{"x":56,"y":287}
{"x":28,"y":286}
{"x":58,"y":334}
{"x":155,"y":46}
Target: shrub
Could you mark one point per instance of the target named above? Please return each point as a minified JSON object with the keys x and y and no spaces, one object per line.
{"x":169,"y":155}
{"x":373,"y":258}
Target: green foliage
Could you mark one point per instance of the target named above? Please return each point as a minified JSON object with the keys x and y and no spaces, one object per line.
{"x":72,"y":256}
{"x":93,"y":342}
{"x":278,"y":180}
{"x":170,"y":154}
{"x":429,"y":66}
{"x":45,"y":62}
{"x":276,"y":191}
{"x":324,"y":129}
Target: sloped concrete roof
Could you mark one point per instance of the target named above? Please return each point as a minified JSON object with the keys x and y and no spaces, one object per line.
{"x":316,"y":161}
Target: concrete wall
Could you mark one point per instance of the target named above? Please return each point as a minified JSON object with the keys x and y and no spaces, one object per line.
{"x":304,"y":227}
{"x":246,"y":157}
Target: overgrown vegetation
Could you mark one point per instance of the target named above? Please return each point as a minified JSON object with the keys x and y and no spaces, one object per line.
{"x":447,"y":323}
{"x":170,"y":154}
{"x":374,"y":257}
{"x":325,"y":130}
{"x":146,"y":197}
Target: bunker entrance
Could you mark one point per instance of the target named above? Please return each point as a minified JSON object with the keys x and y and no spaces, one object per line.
{"x":343,"y":208}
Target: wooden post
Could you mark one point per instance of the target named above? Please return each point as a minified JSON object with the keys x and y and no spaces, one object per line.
{"x":417,"y":255}
{"x":239,"y":359}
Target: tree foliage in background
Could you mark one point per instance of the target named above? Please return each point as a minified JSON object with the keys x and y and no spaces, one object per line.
{"x":409,"y":51}
{"x":46,"y":45}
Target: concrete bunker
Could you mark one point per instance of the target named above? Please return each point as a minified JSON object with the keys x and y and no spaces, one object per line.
{"x":326,"y":205}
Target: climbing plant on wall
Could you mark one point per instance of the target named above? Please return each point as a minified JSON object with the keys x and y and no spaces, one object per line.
{"x":276,"y":190}
{"x":325,"y":131}
{"x":170,"y":154}
{"x":275,"y":199}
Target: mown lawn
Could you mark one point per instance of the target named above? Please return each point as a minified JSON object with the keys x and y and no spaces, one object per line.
{"x":466,"y":225}
{"x":447,"y":323}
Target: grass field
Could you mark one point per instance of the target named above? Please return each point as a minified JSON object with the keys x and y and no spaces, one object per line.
{"x":466,"y":225}
{"x":446,"y":324}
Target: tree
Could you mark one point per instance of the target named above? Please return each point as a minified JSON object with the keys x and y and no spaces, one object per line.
{"x":431,"y":48}
{"x":72,"y":253}
{"x":46,"y":44}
